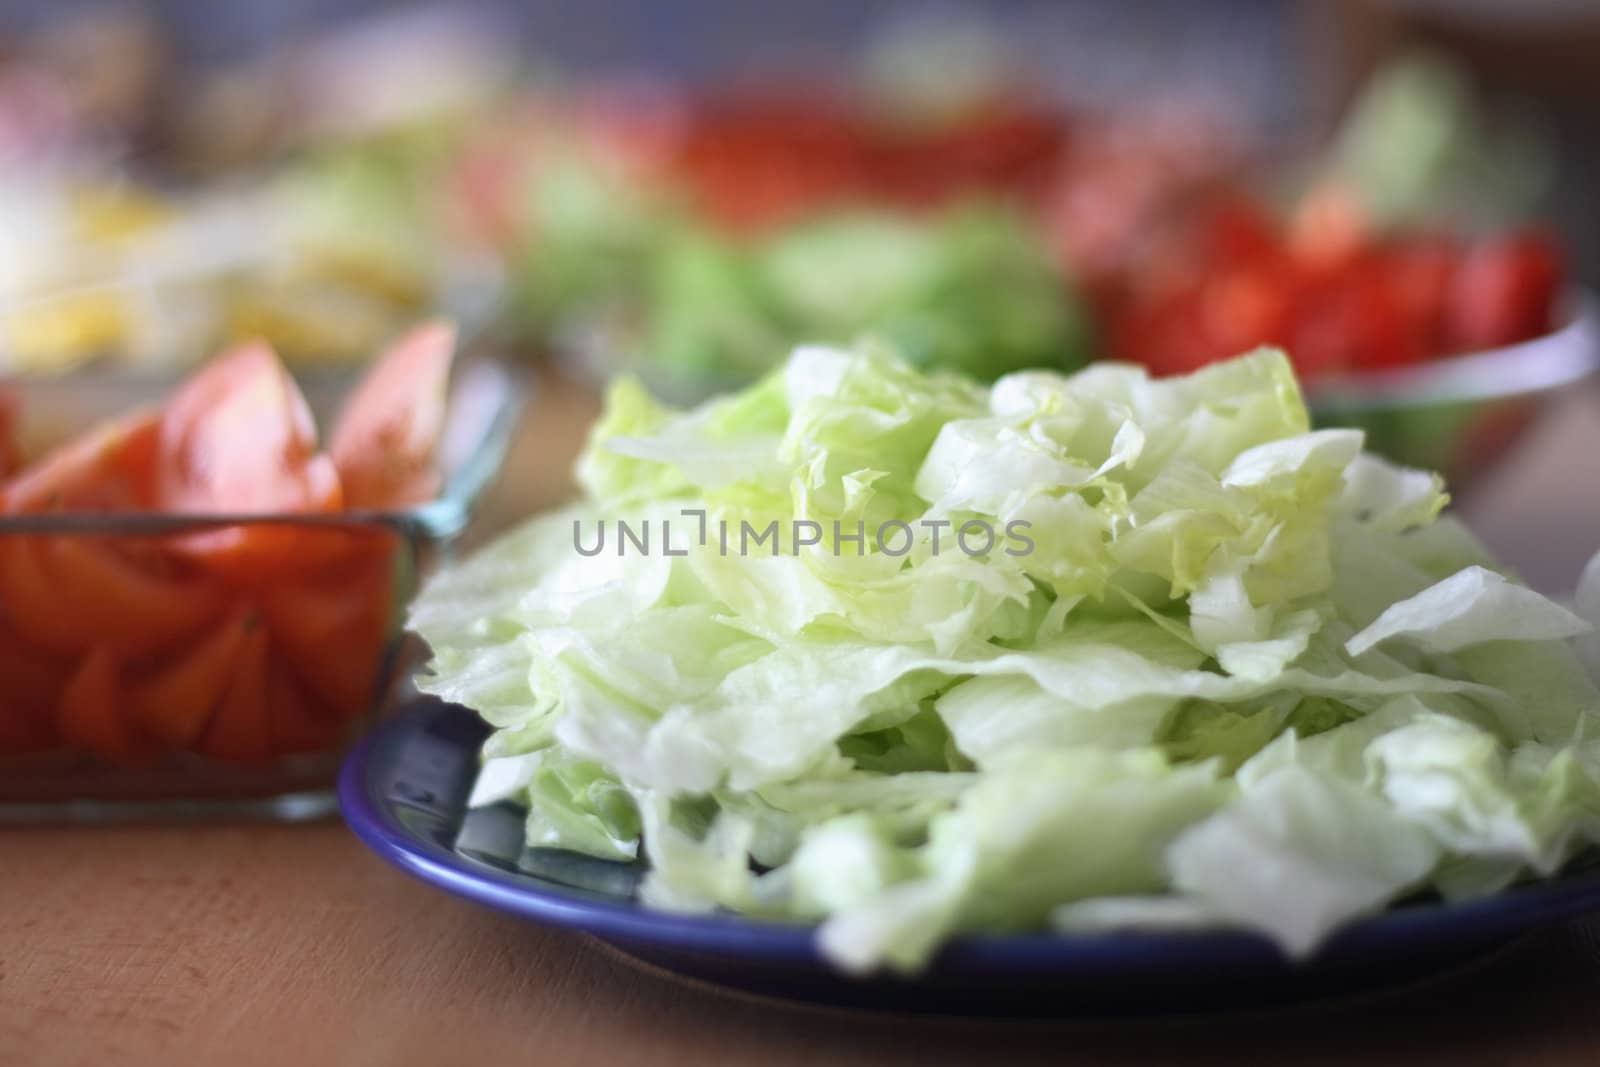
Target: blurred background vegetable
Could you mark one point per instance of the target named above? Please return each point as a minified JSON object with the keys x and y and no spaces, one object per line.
{"x":994,"y":187}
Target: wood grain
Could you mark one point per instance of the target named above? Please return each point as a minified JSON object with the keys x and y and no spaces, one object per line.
{"x":291,"y":945}
{"x":246,"y":945}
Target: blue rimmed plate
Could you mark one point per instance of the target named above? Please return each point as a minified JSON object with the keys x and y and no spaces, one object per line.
{"x":404,"y":790}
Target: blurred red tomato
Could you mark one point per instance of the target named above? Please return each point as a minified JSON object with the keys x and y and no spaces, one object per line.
{"x":1419,"y":270}
{"x":1504,"y":291}
{"x":1229,"y":276}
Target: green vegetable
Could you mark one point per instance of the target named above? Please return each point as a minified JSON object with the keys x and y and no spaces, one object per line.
{"x":589,"y":238}
{"x":691,"y":309}
{"x":370,"y":199}
{"x":1212,"y":667}
{"x":970,"y":290}
{"x":1418,"y":150}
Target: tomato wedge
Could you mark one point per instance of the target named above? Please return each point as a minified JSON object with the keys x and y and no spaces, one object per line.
{"x":90,"y":716}
{"x":239,"y":437}
{"x":24,"y":730}
{"x":385,"y":443}
{"x":31,"y":682}
{"x":1418,"y":271}
{"x":69,"y":593}
{"x":27,"y":595}
{"x":111,"y":468}
{"x":1505,"y":291}
{"x":296,"y":723}
{"x":175,"y":702}
{"x":240,"y":731}
{"x":333,"y":631}
{"x":135,"y":611}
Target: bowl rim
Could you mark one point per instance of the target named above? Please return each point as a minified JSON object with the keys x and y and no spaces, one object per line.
{"x":1564,"y":356}
{"x":487,"y":397}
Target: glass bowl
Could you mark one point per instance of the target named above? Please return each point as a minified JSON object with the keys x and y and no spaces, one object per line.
{"x":1461,"y":415}
{"x":136,"y":683}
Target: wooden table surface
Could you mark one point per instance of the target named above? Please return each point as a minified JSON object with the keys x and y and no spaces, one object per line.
{"x":244,"y":945}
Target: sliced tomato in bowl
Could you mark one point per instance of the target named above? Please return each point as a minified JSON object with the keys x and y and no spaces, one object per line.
{"x":91,"y":718}
{"x":31,"y":681}
{"x":241,"y":731}
{"x":239,"y":641}
{"x":239,"y":437}
{"x":385,"y":442}
{"x":297,"y":722}
{"x":111,"y":468}
{"x":175,"y":700}
{"x":333,"y":630}
{"x":71,"y":592}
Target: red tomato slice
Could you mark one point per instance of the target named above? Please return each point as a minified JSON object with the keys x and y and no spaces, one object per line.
{"x":333,"y":632}
{"x":27,"y":594}
{"x":1001,"y":146}
{"x":1166,"y":333}
{"x":1356,"y":321}
{"x":239,"y":437}
{"x":762,"y":159}
{"x":236,"y":437}
{"x":176,"y":701}
{"x":31,"y":682}
{"x":296,"y":723}
{"x":1234,"y":229}
{"x":26,"y":730}
{"x":386,"y":441}
{"x":111,"y":468}
{"x":70,"y":593}
{"x":1419,"y":271}
{"x":1385,"y":336}
{"x":240,"y":731}
{"x":257,"y":552}
{"x":1246,"y":307}
{"x":133,"y":610}
{"x":1329,"y":228}
{"x":1504,"y":292}
{"x":91,"y":719}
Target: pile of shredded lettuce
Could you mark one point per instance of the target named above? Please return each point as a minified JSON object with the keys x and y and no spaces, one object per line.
{"x":1233,"y":672}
